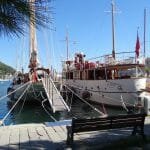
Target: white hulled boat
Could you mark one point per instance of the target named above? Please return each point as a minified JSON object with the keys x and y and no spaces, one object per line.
{"x":116,"y":79}
{"x":110,"y":82}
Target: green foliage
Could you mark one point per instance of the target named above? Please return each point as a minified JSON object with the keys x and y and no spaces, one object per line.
{"x":4,"y":69}
{"x":15,"y":14}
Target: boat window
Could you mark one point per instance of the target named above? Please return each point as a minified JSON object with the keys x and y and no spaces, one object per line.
{"x":131,"y":72}
{"x":67,"y":75}
{"x":81,"y":75}
{"x":91,"y":75}
{"x":141,"y":72}
{"x":76,"y":75}
{"x":71,"y":75}
{"x":100,"y":74}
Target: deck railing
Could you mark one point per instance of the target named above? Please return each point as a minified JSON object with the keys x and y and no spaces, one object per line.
{"x":53,"y":93}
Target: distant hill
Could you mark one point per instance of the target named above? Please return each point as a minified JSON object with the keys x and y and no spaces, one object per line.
{"x":5,"y":69}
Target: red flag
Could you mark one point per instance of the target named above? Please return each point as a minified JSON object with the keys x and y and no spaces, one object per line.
{"x":137,"y":47}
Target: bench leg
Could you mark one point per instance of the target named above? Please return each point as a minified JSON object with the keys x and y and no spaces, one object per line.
{"x":140,"y":131}
{"x":134,"y":130}
{"x":69,"y":135}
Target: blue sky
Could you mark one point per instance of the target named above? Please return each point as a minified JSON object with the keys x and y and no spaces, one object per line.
{"x":89,"y":25}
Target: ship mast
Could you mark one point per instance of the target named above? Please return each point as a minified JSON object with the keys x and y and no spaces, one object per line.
{"x":113,"y":30}
{"x":33,"y":43}
{"x":67,"y":44}
{"x":67,"y":40}
{"x":144,"y":29}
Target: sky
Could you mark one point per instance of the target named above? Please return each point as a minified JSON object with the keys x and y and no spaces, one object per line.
{"x":88,"y":23}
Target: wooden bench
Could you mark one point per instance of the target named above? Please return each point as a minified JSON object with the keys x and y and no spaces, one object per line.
{"x":110,"y":122}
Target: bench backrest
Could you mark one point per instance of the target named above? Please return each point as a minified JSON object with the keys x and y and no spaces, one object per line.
{"x":110,"y":122}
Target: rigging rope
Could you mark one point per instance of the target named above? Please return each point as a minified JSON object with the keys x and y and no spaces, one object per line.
{"x":71,"y":100}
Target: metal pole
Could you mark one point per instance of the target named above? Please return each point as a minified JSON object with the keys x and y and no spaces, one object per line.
{"x":67,"y":44}
{"x":113,"y":31}
{"x":144,"y":29}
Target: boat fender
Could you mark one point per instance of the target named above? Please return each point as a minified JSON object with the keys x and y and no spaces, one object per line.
{"x":86,"y":95}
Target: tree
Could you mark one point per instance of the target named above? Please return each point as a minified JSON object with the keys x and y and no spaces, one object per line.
{"x":15,"y":14}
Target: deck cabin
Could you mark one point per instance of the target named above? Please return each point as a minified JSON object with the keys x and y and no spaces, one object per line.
{"x":110,"y":70}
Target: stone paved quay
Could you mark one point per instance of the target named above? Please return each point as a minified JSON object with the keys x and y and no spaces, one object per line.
{"x":53,"y":136}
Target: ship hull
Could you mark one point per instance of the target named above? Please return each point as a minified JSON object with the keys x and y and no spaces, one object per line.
{"x":34,"y":93}
{"x":109,"y":92}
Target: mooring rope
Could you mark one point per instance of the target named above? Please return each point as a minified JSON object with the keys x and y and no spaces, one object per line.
{"x":44,"y":100}
{"x":46,"y":110}
{"x":110,"y":98}
{"x":35,"y":95}
{"x":22,"y":104}
{"x":14,"y":90}
{"x":123,"y":104}
{"x":71,"y":100}
{"x":2,"y":121}
{"x":114,"y":100}
{"x":101,"y":113}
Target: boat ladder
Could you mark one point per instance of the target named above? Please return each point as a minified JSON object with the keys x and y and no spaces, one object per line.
{"x":54,"y":97}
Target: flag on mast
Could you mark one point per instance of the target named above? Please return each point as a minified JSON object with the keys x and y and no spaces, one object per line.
{"x":137,"y":47}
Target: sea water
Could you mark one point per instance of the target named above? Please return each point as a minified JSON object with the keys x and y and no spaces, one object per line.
{"x":36,"y":113}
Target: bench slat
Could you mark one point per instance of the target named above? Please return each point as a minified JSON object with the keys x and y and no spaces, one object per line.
{"x":108,"y":122}
{"x":110,"y":118}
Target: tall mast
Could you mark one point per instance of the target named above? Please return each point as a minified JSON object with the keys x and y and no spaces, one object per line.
{"x":144,"y":29}
{"x":67,"y":44}
{"x":33,"y":42}
{"x":113,"y":30}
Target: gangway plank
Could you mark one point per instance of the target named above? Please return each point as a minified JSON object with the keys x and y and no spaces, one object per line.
{"x":54,"y":97}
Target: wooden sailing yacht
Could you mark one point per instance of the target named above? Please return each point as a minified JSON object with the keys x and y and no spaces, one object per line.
{"x":36,"y":85}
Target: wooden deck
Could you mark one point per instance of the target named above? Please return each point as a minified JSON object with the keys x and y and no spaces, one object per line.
{"x":32,"y":136}
{"x":53,"y":136}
